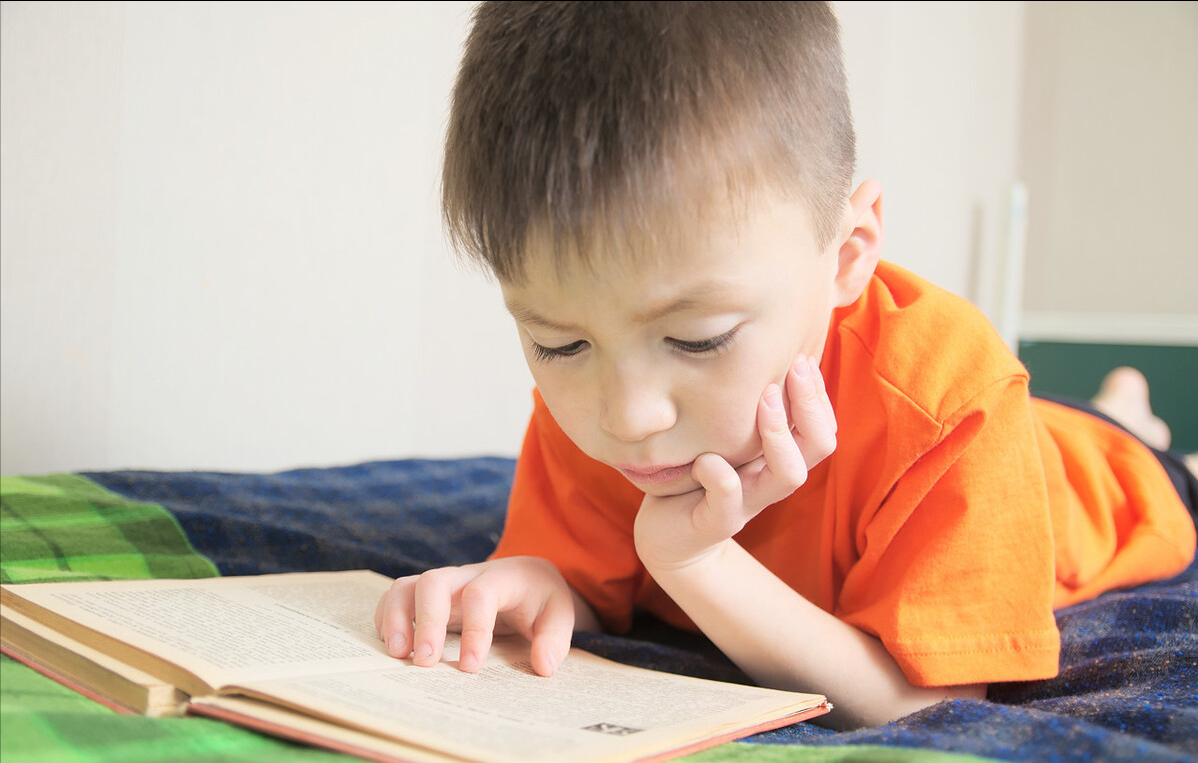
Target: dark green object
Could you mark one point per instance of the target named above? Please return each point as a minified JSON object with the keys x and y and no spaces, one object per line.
{"x":1076,"y":369}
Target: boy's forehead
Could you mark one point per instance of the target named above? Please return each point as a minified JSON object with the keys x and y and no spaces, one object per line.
{"x":679,"y":236}
{"x":639,"y":306}
{"x":695,"y":262}
{"x":665,"y":267}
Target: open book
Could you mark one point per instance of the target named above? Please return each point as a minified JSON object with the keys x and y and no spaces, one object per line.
{"x":296,"y":655}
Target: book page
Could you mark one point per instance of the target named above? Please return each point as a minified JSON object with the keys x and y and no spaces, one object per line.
{"x":307,"y":641}
{"x":590,"y":709}
{"x":226,"y":629}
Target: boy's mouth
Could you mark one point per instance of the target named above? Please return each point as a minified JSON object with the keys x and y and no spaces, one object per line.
{"x":655,"y":475}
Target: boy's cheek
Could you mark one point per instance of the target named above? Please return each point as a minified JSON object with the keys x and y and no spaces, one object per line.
{"x":728,"y":420}
{"x":750,"y":450}
{"x":734,"y":436}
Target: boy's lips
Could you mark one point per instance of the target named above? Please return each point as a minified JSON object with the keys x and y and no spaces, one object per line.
{"x":655,"y":475}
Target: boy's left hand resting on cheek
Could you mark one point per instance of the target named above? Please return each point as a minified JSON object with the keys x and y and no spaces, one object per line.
{"x":675,"y":532}
{"x":686,"y":543}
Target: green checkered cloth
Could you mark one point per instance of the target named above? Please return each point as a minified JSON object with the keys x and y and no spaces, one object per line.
{"x":65,"y":527}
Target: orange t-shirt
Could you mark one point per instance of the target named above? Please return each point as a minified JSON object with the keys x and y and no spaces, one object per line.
{"x":954,"y":516}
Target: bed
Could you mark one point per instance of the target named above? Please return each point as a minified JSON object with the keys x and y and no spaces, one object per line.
{"x":1126,"y":690}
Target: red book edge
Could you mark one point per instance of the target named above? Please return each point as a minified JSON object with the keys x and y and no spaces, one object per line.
{"x":316,"y":740}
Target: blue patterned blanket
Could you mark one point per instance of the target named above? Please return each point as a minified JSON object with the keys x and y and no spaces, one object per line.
{"x":1129,"y":664}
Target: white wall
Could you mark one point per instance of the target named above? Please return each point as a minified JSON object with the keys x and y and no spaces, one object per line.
{"x":936,"y":91}
{"x":220,"y":244}
{"x":1110,"y":155}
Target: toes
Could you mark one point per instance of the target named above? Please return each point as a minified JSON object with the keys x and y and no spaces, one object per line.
{"x":1124,"y":397}
{"x":1125,"y":382}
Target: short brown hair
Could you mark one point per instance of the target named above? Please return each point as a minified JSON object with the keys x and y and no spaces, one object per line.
{"x":571,"y":119}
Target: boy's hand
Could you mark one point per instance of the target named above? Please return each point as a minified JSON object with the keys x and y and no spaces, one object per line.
{"x":676,"y":531}
{"x":524,"y":595}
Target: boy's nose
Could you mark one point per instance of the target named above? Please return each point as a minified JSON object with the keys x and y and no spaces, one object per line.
{"x":632,"y":411}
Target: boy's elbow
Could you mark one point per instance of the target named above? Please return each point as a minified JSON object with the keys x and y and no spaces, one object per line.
{"x":867,"y":714}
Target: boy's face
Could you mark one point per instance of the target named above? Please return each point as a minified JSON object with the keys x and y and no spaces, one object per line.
{"x":648,"y":364}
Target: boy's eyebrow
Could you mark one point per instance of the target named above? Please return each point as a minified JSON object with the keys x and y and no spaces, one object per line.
{"x":692,"y":299}
{"x":524,"y":314}
{"x":688,"y":302}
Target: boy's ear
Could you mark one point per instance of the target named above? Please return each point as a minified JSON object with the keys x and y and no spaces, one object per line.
{"x":861,"y":245}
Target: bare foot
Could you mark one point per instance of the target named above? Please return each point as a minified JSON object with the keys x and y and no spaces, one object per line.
{"x":1124,"y":397}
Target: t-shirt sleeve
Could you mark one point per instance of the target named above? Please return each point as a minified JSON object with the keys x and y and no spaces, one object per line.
{"x":577,"y":513}
{"x":954,"y":568}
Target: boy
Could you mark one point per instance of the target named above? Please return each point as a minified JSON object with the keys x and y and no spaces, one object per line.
{"x":744,"y":421}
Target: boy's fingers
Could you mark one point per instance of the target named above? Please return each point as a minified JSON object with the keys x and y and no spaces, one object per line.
{"x":721,"y":514}
{"x":393,"y":617}
{"x":785,"y":467}
{"x":380,"y":610}
{"x":822,"y":392}
{"x":522,"y":594}
{"x":811,"y":410}
{"x":479,"y":610}
{"x":434,"y":595}
{"x":551,"y":633}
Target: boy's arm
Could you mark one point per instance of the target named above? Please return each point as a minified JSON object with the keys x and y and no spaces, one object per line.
{"x":782,"y":640}
{"x":771,"y":632}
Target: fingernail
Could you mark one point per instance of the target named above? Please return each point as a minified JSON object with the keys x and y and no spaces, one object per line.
{"x":395,"y":646}
{"x":773,"y":398}
{"x":802,"y":367}
{"x":424,"y":651}
{"x":468,"y":662}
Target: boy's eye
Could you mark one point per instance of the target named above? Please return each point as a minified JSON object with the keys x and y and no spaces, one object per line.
{"x":705,"y":346}
{"x":545,"y":354}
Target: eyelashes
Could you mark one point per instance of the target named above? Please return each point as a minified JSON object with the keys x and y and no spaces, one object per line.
{"x":712,"y":346}
{"x":545,"y":354}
